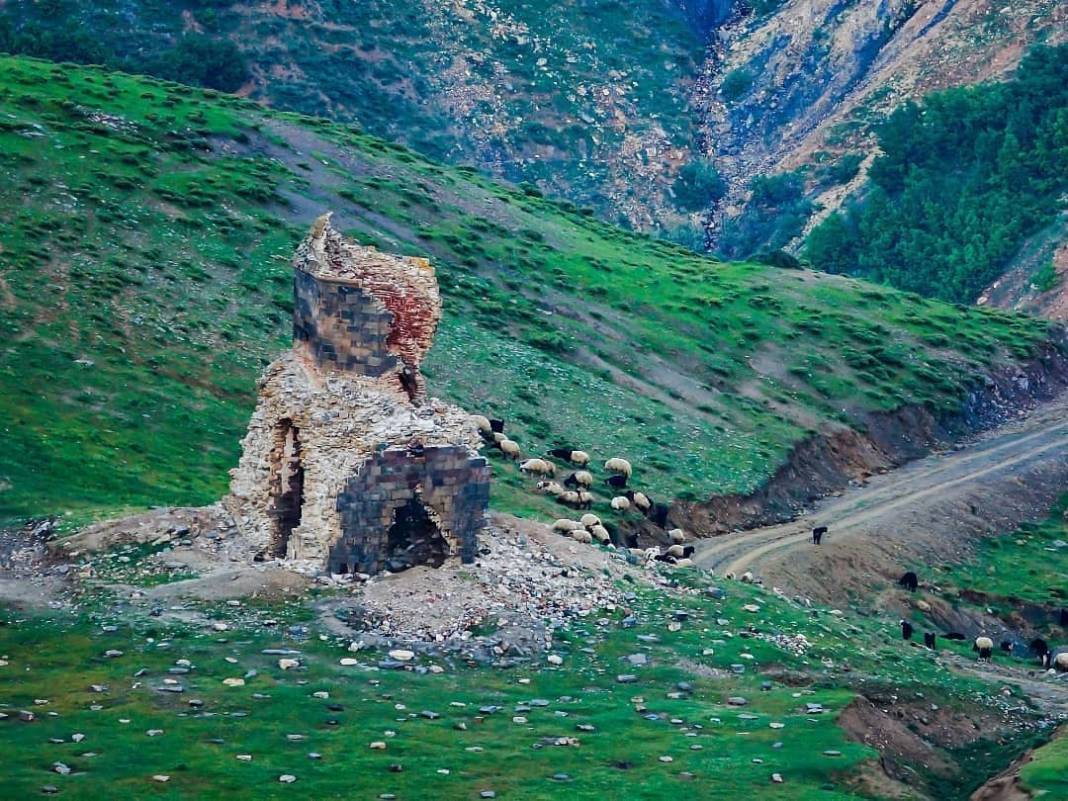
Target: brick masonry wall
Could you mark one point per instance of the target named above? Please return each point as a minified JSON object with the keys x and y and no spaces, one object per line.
{"x":451,"y":483}
{"x":342,"y":326}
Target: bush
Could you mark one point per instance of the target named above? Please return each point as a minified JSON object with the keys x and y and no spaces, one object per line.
{"x":698,"y":186}
{"x":735,"y":84}
{"x":201,"y":60}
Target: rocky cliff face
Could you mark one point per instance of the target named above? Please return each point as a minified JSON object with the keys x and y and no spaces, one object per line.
{"x":807,"y":83}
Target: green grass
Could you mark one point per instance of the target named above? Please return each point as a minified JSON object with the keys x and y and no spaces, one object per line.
{"x":145,"y":282}
{"x":56,"y":659}
{"x":1025,"y":565}
{"x":1045,"y":775}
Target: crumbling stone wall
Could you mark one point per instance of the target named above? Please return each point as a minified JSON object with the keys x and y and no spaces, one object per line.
{"x":362,"y":310}
{"x":445,"y":479}
{"x":364,"y":440}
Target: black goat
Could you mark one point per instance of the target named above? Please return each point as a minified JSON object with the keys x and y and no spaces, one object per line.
{"x":562,"y":453}
{"x":1006,"y":646}
{"x":909,"y":581}
{"x":497,"y":426}
{"x":929,"y":639}
{"x":617,"y":481}
{"x":906,"y":630}
{"x":817,"y":534}
{"x":659,"y":514}
{"x":1040,"y":648}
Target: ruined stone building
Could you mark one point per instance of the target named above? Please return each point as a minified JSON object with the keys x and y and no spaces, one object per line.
{"x":347,"y":463}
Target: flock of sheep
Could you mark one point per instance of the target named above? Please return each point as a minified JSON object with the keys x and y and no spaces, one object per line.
{"x":1055,"y":659}
{"x":576,"y":492}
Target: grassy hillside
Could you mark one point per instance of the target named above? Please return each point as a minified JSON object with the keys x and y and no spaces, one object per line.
{"x":965,"y":178}
{"x":668,"y":730}
{"x":145,"y":281}
{"x":587,"y":98}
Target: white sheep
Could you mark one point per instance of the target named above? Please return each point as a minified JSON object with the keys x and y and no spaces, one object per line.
{"x":498,"y":437}
{"x":618,"y":466}
{"x":585,"y":499}
{"x":985,"y":647}
{"x":565,"y":526}
{"x":641,"y":501}
{"x":568,"y":498}
{"x":538,"y":466}
{"x":746,"y":577}
{"x":600,"y":533}
{"x":676,"y":551}
{"x":580,"y":458}
{"x":551,"y":488}
{"x":580,"y":478}
{"x":482,"y":424}
{"x":510,"y":448}
{"x":581,"y":535}
{"x":677,"y":535}
{"x":684,"y":562}
{"x":620,"y":503}
{"x":1060,"y":662}
{"x":589,"y":519}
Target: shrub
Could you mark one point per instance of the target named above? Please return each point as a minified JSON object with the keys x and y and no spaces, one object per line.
{"x":698,"y":186}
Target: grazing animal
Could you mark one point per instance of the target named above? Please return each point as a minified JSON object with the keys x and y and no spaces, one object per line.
{"x":585,"y":499}
{"x":954,"y":635}
{"x":566,"y":526}
{"x":1062,"y":619}
{"x":1006,"y":646}
{"x":538,"y":466}
{"x":590,"y":520}
{"x":1060,"y":662}
{"x":1040,"y":648}
{"x":817,"y":534}
{"x":929,"y":639}
{"x":620,"y":503}
{"x":616,"y":482}
{"x":509,"y":448}
{"x":551,"y":488}
{"x":677,"y":535}
{"x":985,"y":647}
{"x":659,"y":515}
{"x":909,"y":581}
{"x":580,"y":478}
{"x":600,"y":533}
{"x":618,"y":466}
{"x":498,"y":438}
{"x":497,"y":425}
{"x":581,"y":535}
{"x":906,"y":629}
{"x":482,"y":424}
{"x":640,"y":500}
{"x":568,"y":498}
{"x":746,"y":577}
{"x":578,"y":458}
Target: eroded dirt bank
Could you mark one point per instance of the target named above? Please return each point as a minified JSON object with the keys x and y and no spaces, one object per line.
{"x":836,"y":458}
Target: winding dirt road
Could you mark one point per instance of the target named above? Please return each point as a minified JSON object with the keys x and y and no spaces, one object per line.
{"x":993,"y":483}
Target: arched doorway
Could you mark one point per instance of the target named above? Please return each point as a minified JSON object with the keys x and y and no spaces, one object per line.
{"x":287,"y":486}
{"x":414,"y":538}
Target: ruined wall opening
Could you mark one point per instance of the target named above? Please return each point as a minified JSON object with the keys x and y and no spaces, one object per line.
{"x":414,"y":538}
{"x":287,"y":486}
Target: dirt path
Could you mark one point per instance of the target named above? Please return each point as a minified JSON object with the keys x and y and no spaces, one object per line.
{"x":932,"y":508}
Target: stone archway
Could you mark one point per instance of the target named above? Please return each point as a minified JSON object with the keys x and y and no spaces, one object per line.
{"x":438,"y":496}
{"x":415,"y":537}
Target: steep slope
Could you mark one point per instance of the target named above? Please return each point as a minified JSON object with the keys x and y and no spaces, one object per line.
{"x":966,"y":177}
{"x":588,"y":99}
{"x":145,"y":281}
{"x":801,"y":87}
